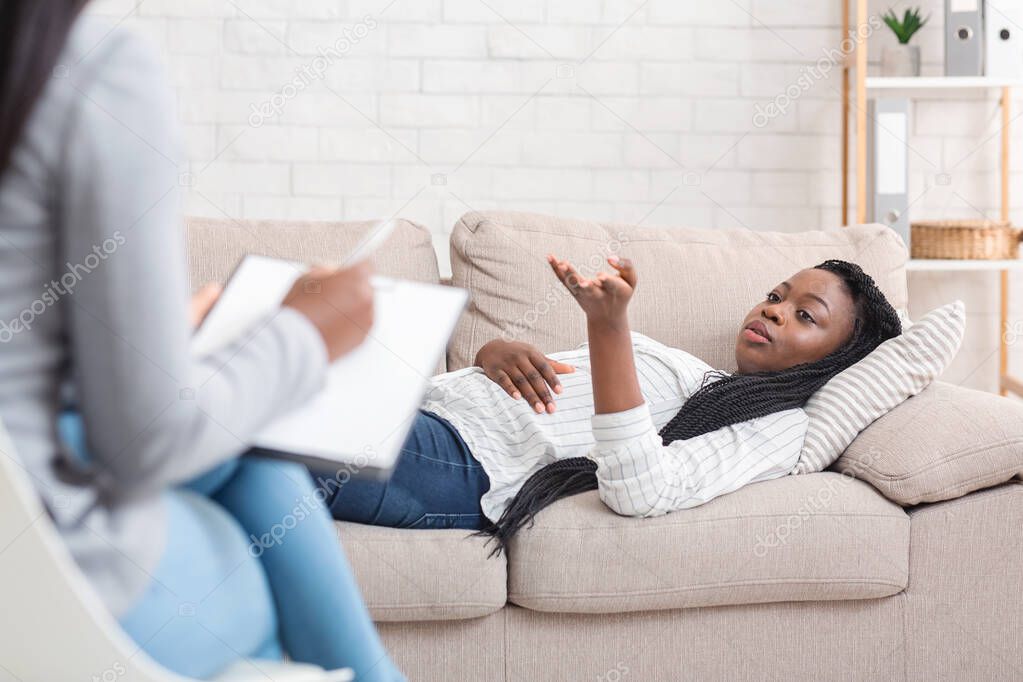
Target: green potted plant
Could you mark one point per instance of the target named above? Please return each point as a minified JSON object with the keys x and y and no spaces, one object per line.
{"x":902,"y":59}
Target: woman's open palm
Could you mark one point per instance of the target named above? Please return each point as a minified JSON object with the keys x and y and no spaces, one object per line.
{"x":604,"y":298}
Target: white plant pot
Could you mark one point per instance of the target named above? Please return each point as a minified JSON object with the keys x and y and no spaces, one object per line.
{"x":900,"y":61}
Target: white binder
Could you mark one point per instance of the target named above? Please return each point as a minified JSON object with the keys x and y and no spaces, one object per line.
{"x":1003,"y":39}
{"x":964,"y":38}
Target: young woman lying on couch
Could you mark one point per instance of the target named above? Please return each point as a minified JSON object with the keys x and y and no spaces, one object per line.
{"x":653,"y":428}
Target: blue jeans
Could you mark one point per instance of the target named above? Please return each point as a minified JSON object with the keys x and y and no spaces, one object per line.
{"x":252,"y":562}
{"x":436,"y":484}
{"x":185,"y":621}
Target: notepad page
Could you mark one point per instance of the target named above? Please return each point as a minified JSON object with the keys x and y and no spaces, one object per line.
{"x":373,"y":393}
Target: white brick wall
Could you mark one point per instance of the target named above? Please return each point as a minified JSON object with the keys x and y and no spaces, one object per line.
{"x":607,"y":109}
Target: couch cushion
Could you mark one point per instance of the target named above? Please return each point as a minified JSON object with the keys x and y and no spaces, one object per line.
{"x":695,"y":285}
{"x":215,"y":246}
{"x":410,"y":575}
{"x":940,"y":444}
{"x":819,"y":536}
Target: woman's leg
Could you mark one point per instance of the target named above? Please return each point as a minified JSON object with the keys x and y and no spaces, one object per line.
{"x":209,"y":603}
{"x":436,"y":484}
{"x":322,"y":616}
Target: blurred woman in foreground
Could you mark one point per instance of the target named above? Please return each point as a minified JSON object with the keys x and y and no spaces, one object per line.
{"x":146,"y":486}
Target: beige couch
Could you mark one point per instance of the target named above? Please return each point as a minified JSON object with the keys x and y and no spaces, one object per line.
{"x":813,"y":577}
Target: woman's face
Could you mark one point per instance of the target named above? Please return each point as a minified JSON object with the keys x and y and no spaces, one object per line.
{"x":805,"y":318}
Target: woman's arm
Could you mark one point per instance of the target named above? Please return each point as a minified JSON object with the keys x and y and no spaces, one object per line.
{"x":154,"y":415}
{"x":605,"y":300}
{"x":638,"y":476}
{"x":612,"y":367}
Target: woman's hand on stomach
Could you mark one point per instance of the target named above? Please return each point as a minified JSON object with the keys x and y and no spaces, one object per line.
{"x":523,"y":372}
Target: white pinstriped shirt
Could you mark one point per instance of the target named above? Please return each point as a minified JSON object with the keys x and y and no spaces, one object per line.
{"x":638,"y":476}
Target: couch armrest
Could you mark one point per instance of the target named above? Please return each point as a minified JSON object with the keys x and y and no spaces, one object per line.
{"x":942,"y":443}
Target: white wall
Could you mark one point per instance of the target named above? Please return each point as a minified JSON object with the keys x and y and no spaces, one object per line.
{"x":608,"y":109}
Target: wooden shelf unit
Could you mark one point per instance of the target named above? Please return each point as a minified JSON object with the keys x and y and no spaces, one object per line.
{"x":912,"y":86}
{"x":942,"y":83}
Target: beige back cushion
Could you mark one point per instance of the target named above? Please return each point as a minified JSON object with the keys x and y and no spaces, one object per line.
{"x":941,"y":444}
{"x":695,"y":285}
{"x":216,"y":245}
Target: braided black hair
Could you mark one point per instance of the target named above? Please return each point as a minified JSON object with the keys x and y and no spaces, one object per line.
{"x":721,"y":400}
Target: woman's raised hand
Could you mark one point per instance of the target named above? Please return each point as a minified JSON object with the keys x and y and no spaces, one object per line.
{"x":604,"y":298}
{"x":522,"y":371}
{"x":339,"y":303}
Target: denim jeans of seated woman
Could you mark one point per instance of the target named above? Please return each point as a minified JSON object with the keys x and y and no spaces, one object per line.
{"x":252,"y":561}
{"x":435,"y":484}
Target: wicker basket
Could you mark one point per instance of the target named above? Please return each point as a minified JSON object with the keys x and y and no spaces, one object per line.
{"x":964,"y":239}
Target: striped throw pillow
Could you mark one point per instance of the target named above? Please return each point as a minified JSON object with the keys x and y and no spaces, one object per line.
{"x":897,"y":369}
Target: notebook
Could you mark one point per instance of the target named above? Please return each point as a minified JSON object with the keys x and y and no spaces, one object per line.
{"x":360,"y":420}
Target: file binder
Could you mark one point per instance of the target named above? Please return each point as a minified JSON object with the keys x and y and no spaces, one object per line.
{"x":964,"y":38}
{"x":887,"y":163}
{"x":1003,"y":39}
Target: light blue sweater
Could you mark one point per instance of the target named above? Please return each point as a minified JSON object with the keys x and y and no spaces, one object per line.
{"x":94,"y":294}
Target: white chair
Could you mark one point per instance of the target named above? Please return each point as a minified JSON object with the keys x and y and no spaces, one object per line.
{"x":53,"y":626}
